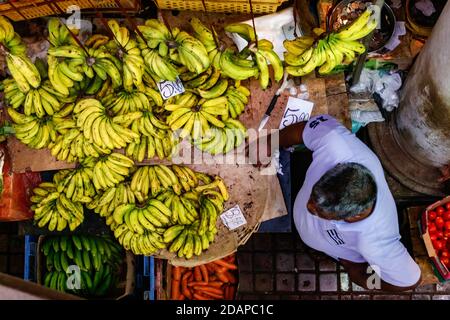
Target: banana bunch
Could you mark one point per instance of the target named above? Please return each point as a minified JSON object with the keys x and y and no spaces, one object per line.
{"x":330,"y":50}
{"x":96,"y":41}
{"x":99,"y":128}
{"x":244,"y":30}
{"x":186,"y":241}
{"x":130,"y":53}
{"x":161,"y":67}
{"x":36,"y":101}
{"x":98,"y":258}
{"x":54,"y":209}
{"x":157,"y":36}
{"x":234,"y":67}
{"x":110,"y":170}
{"x":58,"y":34}
{"x":11,"y":40}
{"x":13,"y":96}
{"x":263,"y":53}
{"x":237,"y":100}
{"x":124,"y":102}
{"x":69,"y":64}
{"x":205,"y":35}
{"x":151,"y":146}
{"x":34,"y":132}
{"x":195,"y":120}
{"x":77,"y":184}
{"x":192,"y":53}
{"x":72,"y":146}
{"x":23,"y":71}
{"x":136,"y":227}
{"x":222,"y":140}
{"x":154,"y":179}
{"x":106,"y":202}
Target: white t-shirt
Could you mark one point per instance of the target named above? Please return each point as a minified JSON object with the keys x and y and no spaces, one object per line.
{"x":374,"y":239}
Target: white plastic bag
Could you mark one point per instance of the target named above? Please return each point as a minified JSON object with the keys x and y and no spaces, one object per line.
{"x":275,"y":27}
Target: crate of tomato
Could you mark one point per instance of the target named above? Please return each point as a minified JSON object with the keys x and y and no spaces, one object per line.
{"x":435,"y":229}
{"x":216,"y":280}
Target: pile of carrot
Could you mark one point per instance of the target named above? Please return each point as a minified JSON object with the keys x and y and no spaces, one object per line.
{"x":212,"y":281}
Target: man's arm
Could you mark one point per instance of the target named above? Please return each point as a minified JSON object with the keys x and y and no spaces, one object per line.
{"x":358,"y":274}
{"x":292,"y":135}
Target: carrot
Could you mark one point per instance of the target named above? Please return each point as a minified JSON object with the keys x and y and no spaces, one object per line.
{"x":175,"y":289}
{"x":222,"y":277}
{"x":197,"y":274}
{"x":181,"y":297}
{"x":208,"y":289}
{"x":214,"y":284}
{"x":212,"y":278}
{"x":225,"y":264}
{"x":210,"y":267}
{"x":191,"y":277}
{"x":204,"y":272}
{"x":176,"y":273}
{"x":184,"y":288}
{"x":198,"y":296}
{"x":196,"y":283}
{"x":230,"y":276}
{"x":213,"y":295}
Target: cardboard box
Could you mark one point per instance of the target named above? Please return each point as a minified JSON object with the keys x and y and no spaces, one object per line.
{"x":124,"y":288}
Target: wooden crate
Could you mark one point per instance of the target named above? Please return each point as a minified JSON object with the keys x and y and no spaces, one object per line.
{"x":30,"y":9}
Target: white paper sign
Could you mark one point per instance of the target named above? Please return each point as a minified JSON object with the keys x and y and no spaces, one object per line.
{"x":233,"y":218}
{"x":170,"y":88}
{"x":297,"y":110}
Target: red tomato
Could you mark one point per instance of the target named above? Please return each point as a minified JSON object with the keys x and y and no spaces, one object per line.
{"x":439,"y":222}
{"x":438,"y":245}
{"x":445,"y":254}
{"x":447,"y":225}
{"x":440,"y":211}
{"x":447,"y":206}
{"x":440,"y":234}
{"x":447,"y":234}
{"x":445,"y":261}
{"x":432,"y":228}
{"x":431,"y":215}
{"x":446,"y":216}
{"x":433,"y":237}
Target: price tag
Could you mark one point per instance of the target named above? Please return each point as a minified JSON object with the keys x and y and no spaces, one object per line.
{"x":233,"y":218}
{"x":297,"y":110}
{"x":170,"y":88}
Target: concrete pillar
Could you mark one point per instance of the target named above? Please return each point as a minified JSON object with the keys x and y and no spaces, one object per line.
{"x":423,"y":117}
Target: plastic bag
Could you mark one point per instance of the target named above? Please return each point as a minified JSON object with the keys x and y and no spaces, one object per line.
{"x":16,"y":189}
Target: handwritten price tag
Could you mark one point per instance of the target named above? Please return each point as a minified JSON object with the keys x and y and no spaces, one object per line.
{"x":297,"y":110}
{"x":233,"y":218}
{"x":170,"y":88}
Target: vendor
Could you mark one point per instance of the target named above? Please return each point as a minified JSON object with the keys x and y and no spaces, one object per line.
{"x":345,"y":208}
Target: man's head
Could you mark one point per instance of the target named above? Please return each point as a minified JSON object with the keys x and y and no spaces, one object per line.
{"x":346,"y":192}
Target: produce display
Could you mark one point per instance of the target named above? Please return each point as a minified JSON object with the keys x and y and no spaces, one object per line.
{"x":164,"y":207}
{"x":328,"y":50}
{"x":88,"y":101}
{"x":98,"y":258}
{"x":439,"y":230}
{"x":212,"y":281}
